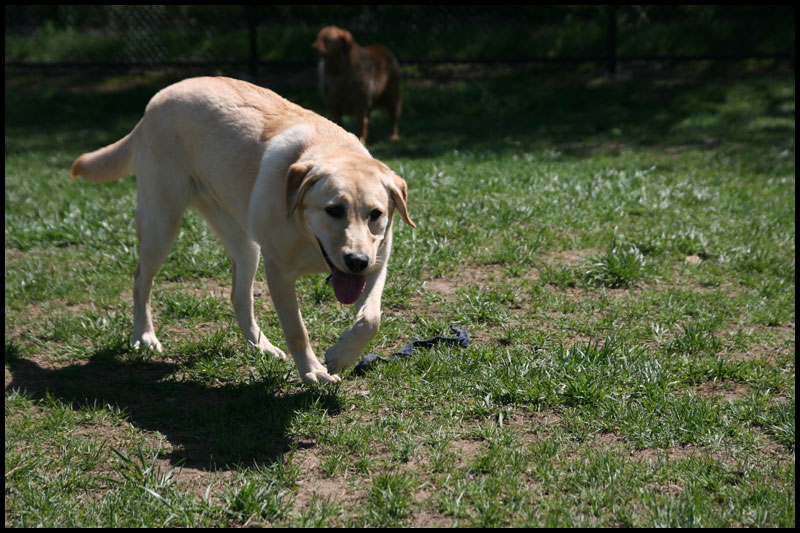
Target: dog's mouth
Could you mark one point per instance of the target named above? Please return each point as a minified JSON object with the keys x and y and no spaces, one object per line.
{"x":346,"y":287}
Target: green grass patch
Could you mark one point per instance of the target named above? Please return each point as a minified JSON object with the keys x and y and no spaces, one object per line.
{"x":622,"y":255}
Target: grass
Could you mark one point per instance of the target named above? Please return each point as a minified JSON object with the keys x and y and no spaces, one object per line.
{"x":621,"y":253}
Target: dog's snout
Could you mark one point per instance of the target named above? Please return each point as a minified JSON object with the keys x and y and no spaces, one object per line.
{"x":357,"y":263}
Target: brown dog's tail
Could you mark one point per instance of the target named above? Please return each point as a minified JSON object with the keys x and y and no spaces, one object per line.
{"x":109,"y":163}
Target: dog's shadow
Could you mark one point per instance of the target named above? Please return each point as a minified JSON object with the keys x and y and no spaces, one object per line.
{"x":210,"y":426}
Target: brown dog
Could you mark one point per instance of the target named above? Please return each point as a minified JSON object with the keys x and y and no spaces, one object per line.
{"x":357,"y":79}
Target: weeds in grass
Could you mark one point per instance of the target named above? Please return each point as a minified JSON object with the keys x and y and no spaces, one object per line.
{"x":621,"y":266}
{"x":255,"y":501}
{"x":389,"y":500}
{"x":694,"y":340}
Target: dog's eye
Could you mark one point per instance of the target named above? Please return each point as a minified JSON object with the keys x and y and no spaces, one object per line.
{"x":335,"y":211}
{"x":374,"y":215}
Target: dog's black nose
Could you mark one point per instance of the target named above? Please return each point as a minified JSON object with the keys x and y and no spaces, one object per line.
{"x":356,"y":262}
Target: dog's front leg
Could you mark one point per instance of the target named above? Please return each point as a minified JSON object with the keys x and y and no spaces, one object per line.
{"x":284,"y":298}
{"x":362,"y":123}
{"x":353,"y":340}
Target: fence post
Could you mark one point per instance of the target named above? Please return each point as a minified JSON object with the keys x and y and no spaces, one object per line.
{"x":611,"y":42}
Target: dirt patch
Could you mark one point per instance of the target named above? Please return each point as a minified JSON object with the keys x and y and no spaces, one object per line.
{"x":781,"y":347}
{"x":464,"y":276}
{"x":726,"y":391}
{"x":466,"y":450}
{"x":199,"y":288}
{"x":486,"y":274}
{"x":41,"y":313}
{"x":532,"y":422}
{"x":568,"y":258}
{"x":313,"y":487}
{"x":429,"y":519}
{"x":728,"y":456}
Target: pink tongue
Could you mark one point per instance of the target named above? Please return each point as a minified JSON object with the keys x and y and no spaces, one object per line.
{"x":347,"y":287}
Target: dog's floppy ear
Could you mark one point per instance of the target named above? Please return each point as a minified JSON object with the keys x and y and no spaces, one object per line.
{"x":298,"y":180}
{"x":347,"y":39}
{"x":399,"y":193}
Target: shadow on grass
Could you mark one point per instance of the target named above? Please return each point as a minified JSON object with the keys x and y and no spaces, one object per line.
{"x":48,"y":117}
{"x":575,"y":114}
{"x":579,"y":117}
{"x":209,"y":426}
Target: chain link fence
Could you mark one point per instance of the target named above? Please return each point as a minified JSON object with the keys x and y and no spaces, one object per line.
{"x":256,"y":37}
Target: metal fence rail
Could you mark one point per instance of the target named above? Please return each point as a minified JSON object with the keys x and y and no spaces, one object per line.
{"x":256,"y":36}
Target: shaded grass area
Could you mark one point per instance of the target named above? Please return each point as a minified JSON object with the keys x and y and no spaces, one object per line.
{"x":621,"y":252}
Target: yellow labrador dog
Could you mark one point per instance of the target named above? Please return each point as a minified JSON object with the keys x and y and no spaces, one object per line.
{"x":267,"y":175}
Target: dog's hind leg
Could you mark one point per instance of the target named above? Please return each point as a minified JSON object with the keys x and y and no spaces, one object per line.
{"x":394,"y":109}
{"x":157,"y":223}
{"x":244,"y":254}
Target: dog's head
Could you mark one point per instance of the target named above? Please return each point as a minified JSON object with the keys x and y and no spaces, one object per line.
{"x":346,"y":201}
{"x":333,"y":42}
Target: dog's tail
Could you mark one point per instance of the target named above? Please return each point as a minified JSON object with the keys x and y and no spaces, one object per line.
{"x":109,"y":163}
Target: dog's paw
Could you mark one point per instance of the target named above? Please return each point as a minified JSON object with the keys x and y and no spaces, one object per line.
{"x":320,"y":376}
{"x":333,"y":366}
{"x":146,"y":341}
{"x":264,"y":346}
{"x":338,"y":359}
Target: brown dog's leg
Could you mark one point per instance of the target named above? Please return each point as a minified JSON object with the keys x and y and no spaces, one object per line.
{"x":393,"y":114}
{"x":393,"y":104}
{"x":362,"y":122}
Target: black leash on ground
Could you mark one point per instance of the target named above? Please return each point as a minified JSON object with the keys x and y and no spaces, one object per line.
{"x":462,"y":339}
